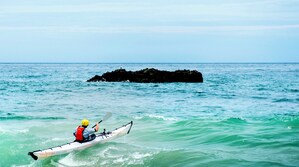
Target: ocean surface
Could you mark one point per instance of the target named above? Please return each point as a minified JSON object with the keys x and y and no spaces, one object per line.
{"x":241,"y":115}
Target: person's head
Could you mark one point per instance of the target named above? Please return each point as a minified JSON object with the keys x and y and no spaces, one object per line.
{"x":85,"y":123}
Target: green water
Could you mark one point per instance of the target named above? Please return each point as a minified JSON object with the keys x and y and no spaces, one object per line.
{"x":242,"y":115}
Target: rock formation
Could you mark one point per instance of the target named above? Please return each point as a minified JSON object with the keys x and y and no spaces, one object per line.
{"x":149,"y":75}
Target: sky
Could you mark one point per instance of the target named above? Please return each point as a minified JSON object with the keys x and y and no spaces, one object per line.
{"x":155,"y":31}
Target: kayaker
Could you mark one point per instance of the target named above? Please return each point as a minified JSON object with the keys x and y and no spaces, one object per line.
{"x":83,"y":134}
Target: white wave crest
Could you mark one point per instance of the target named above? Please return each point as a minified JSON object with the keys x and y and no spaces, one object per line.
{"x":13,"y":131}
{"x":119,"y":156}
{"x":72,"y":160}
{"x":163,"y":117}
{"x":55,"y":139}
{"x":157,"y":117}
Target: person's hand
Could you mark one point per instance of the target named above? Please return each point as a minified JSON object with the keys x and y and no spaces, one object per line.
{"x":97,"y":127}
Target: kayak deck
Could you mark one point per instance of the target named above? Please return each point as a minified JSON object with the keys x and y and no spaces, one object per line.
{"x":72,"y":146}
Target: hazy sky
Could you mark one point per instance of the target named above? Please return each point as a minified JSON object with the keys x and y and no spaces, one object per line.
{"x":149,"y":31}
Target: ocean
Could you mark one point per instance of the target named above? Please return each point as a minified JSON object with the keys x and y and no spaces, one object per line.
{"x":241,"y":115}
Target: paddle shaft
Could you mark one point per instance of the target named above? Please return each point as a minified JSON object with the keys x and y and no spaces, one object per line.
{"x":98,"y":123}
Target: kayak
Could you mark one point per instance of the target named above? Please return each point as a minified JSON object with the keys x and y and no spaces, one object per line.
{"x":72,"y":146}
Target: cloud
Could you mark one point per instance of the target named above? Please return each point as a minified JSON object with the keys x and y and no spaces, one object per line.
{"x":150,"y":29}
{"x":79,"y":8}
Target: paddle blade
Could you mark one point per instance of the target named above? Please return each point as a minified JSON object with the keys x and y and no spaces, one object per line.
{"x":107,"y":116}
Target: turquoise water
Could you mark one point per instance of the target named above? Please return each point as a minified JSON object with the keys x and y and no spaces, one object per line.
{"x":242,"y":115}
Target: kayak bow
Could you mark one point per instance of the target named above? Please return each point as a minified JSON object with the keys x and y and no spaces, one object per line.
{"x":72,"y":146}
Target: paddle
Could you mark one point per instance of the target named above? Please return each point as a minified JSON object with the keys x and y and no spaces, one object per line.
{"x":107,"y":116}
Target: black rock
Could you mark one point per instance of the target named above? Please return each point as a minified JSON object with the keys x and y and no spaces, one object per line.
{"x":149,"y":75}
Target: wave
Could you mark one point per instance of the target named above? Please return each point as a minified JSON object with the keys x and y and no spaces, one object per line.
{"x":235,"y":120}
{"x":33,"y":76}
{"x":156,"y":117}
{"x":55,"y":139}
{"x":293,"y":90}
{"x":179,"y":157}
{"x":10,"y":117}
{"x":13,"y":131}
{"x":262,"y":89}
{"x":259,"y":97}
{"x":40,"y":90}
{"x":200,"y":94}
{"x":285,"y":100}
{"x":291,"y":120}
{"x":72,"y":160}
{"x":110,"y":154}
{"x":228,"y":96}
{"x":29,"y":165}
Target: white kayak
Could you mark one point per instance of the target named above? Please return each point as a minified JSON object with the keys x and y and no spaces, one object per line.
{"x":72,"y":146}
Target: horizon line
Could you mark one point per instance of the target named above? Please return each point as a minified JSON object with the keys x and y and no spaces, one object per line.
{"x":149,"y":62}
